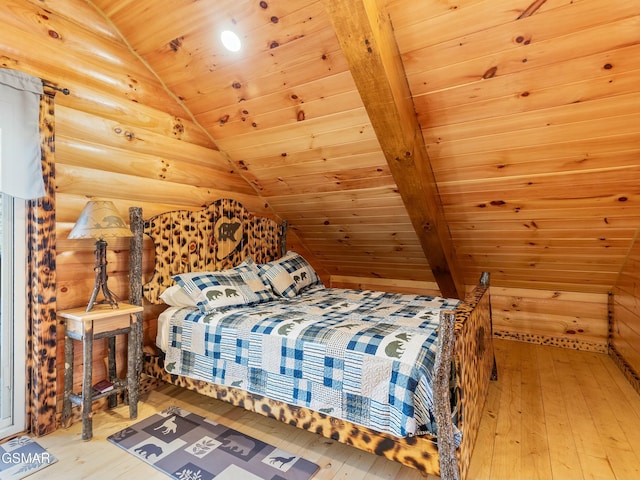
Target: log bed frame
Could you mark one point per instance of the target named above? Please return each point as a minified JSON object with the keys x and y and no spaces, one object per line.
{"x":221,"y":236}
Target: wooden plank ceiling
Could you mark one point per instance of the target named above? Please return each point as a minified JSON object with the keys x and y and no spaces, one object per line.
{"x":521,"y":121}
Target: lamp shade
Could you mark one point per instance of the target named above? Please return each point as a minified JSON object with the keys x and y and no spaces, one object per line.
{"x":99,"y":220}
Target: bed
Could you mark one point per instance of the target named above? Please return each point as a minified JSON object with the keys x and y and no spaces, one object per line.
{"x":250,"y":323}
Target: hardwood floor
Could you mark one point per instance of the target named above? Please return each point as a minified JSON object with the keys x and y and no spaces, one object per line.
{"x":553,"y":414}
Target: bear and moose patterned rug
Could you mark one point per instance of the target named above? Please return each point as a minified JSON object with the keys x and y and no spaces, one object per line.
{"x":187,"y":446}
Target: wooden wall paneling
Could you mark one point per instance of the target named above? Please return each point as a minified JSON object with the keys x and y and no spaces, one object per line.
{"x":305,"y":59}
{"x":301,"y":135}
{"x":300,"y":62}
{"x":345,"y":177}
{"x":387,"y":216}
{"x":534,"y":111}
{"x":570,"y":284}
{"x":550,"y":331}
{"x":362,"y":247}
{"x":308,"y":158}
{"x":337,"y":157}
{"x":328,"y":182}
{"x":621,"y":125}
{"x":543,"y":234}
{"x":560,"y":259}
{"x":444,"y":22}
{"x":110,"y":106}
{"x":302,"y":141}
{"x":527,"y":54}
{"x":561,"y":318}
{"x":559,"y":25}
{"x":316,"y":98}
{"x":196,"y":21}
{"x":78,"y":180}
{"x":612,"y":205}
{"x":526,"y":186}
{"x":118,"y":160}
{"x":101,"y":131}
{"x":348,"y":200}
{"x":294,"y":108}
{"x":511,"y":97}
{"x":385,"y":284}
{"x":550,"y":220}
{"x":627,"y":290}
{"x":502,"y":162}
{"x":101,"y":65}
{"x":409,"y":270}
{"x":82,"y":14}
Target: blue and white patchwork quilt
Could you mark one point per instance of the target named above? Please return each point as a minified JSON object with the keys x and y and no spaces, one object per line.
{"x":363,"y":356}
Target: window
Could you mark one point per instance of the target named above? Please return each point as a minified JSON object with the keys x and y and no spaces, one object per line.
{"x":12,"y":314}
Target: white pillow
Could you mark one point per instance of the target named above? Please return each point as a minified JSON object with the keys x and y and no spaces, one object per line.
{"x":175,"y":296}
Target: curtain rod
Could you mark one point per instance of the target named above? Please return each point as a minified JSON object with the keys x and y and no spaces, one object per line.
{"x":66,"y":91}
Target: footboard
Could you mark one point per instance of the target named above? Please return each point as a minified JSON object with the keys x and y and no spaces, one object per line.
{"x":419,"y":452}
{"x":475,"y":365}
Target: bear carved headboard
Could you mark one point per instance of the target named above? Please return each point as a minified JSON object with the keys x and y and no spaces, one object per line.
{"x":218,"y":237}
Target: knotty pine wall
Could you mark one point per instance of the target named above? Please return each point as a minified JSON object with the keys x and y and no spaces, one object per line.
{"x":121,"y":136}
{"x":625,"y":331}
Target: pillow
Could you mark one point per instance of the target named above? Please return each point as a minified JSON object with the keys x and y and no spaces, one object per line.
{"x":289,"y":275}
{"x":237,"y":286}
{"x":175,"y":296}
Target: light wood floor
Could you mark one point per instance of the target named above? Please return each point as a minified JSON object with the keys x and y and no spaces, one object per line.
{"x":553,"y":414}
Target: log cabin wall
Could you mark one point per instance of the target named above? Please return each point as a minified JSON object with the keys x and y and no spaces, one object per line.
{"x":625,"y":311}
{"x":526,"y":129}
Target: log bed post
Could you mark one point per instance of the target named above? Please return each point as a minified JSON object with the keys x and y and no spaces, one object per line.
{"x":441,"y":398}
{"x":135,"y":279}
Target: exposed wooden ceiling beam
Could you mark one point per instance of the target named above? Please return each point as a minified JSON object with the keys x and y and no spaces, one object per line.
{"x":366,"y":36}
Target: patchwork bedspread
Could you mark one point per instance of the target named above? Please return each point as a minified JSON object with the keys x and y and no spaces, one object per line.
{"x":362,"y":356}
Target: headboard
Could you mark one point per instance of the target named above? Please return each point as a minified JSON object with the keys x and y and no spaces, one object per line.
{"x":218,"y":237}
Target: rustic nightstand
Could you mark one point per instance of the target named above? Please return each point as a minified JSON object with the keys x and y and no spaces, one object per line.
{"x":101,"y":322}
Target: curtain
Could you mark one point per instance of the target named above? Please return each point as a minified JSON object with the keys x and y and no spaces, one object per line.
{"x":20,"y":162}
{"x":41,"y":284}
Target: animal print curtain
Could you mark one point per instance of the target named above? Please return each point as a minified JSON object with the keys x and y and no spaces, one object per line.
{"x":41,"y":286}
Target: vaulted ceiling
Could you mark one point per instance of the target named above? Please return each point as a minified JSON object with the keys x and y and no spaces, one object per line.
{"x":420,"y":140}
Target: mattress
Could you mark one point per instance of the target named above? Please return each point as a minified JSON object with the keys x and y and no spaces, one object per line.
{"x":359,"y":355}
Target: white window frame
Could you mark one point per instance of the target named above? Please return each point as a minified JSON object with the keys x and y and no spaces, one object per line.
{"x":13,"y":323}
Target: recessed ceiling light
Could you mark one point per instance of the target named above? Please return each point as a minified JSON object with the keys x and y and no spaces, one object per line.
{"x":230,"y":40}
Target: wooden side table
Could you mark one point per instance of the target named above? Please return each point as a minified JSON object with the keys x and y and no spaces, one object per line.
{"x":101,"y":322}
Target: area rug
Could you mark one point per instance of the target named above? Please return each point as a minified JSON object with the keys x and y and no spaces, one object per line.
{"x":22,"y":456}
{"x":187,"y":446}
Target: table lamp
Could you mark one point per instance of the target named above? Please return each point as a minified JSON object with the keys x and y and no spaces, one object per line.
{"x":100,"y":220}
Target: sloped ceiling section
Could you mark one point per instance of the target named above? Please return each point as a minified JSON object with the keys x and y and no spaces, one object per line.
{"x":422,"y":140}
